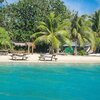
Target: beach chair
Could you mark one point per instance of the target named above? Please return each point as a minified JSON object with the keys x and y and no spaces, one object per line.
{"x":3,"y":52}
{"x":47,"y":57}
{"x":19,"y":57}
{"x":95,"y":54}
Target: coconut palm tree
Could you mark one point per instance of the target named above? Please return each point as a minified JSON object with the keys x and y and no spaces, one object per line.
{"x":96,"y":23}
{"x":4,"y":38}
{"x":81,"y":31}
{"x":53,"y":32}
{"x":96,"y":28}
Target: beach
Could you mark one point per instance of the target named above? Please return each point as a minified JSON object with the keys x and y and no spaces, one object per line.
{"x":34,"y":58}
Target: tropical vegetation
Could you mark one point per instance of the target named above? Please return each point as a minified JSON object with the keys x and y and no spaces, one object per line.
{"x":53,"y":32}
{"x":47,"y":23}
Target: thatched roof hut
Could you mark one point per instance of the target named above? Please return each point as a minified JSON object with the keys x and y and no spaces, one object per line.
{"x":26,"y":44}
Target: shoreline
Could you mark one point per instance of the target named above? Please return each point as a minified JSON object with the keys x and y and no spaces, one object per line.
{"x":62,"y":59}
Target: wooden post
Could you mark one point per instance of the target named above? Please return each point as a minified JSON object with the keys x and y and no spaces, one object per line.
{"x":28,"y":49}
{"x":32,"y":48}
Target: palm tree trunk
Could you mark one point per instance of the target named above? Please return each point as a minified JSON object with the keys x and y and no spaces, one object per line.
{"x":51,"y":50}
{"x":75,"y":50}
{"x":57,"y":51}
{"x":5,"y":46}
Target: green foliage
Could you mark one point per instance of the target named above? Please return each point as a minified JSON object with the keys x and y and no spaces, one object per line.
{"x":1,"y":17}
{"x":98,"y":42}
{"x":82,"y":30}
{"x":96,"y":22}
{"x":95,"y":18}
{"x":59,"y":8}
{"x":1,"y":13}
{"x":4,"y":38}
{"x":82,"y":52}
{"x":53,"y":32}
{"x":22,"y":18}
{"x":50,"y":22}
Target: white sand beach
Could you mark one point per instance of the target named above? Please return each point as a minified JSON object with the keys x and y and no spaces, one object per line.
{"x":34,"y":58}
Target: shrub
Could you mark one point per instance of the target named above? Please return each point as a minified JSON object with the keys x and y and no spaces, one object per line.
{"x":82,"y":52}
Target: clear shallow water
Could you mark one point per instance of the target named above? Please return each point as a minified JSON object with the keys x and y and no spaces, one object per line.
{"x":49,"y":82}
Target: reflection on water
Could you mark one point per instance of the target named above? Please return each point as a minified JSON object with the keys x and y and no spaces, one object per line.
{"x":49,"y":82}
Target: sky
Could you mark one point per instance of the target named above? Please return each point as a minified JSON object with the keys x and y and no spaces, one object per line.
{"x":11,"y":1}
{"x":82,"y":6}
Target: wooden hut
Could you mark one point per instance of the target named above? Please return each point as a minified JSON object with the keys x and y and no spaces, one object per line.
{"x":30,"y":46}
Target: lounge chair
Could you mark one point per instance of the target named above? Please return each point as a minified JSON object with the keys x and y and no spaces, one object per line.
{"x":95,"y":54}
{"x":3,"y":52}
{"x":47,"y":57}
{"x":19,"y":57}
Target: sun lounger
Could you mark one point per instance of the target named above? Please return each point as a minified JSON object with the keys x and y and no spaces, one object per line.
{"x":47,"y":57}
{"x":19,"y":57}
{"x":3,"y":52}
{"x":95,"y":54}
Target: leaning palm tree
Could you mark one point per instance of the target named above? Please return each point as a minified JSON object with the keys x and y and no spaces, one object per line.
{"x":4,"y":38}
{"x":53,"y":32}
{"x":82,"y":32}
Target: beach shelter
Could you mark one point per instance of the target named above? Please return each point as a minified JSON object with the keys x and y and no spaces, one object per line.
{"x":30,"y":46}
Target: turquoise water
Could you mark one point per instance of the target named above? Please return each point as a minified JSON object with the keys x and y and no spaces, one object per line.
{"x":49,"y":82}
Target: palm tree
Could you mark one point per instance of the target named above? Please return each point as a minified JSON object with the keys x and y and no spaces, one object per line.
{"x":96,"y":23}
{"x":96,"y":28}
{"x":53,"y":32}
{"x":81,"y":31}
{"x":4,"y":38}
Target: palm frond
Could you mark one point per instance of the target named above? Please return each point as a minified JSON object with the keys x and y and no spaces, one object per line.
{"x":42,"y":23}
{"x":37,"y":34}
{"x":44,"y":28}
{"x":55,"y":43}
{"x":41,"y":39}
{"x":80,"y":39}
{"x":67,"y":41}
{"x":63,"y":25}
{"x":74,"y":32}
{"x":91,"y":39}
{"x":64,"y":33}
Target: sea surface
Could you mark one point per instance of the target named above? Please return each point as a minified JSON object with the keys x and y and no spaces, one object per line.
{"x":49,"y":81}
